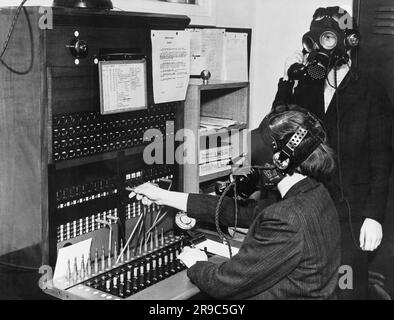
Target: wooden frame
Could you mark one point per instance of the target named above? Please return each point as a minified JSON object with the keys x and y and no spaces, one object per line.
{"x":204,"y":13}
{"x":103,"y":109}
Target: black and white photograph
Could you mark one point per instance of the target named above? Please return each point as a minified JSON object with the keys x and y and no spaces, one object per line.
{"x":195,"y":155}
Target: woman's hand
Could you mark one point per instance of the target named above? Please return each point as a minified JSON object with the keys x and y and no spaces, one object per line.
{"x":371,"y":235}
{"x":149,"y":193}
{"x":190,"y":256}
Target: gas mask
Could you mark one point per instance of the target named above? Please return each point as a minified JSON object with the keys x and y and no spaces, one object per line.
{"x":326,"y":45}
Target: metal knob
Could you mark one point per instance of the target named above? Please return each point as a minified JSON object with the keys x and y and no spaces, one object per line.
{"x":205,"y":76}
{"x":78,"y":48}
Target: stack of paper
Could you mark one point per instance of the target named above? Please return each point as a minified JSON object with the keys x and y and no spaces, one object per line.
{"x":212,"y":123}
{"x":214,"y":167}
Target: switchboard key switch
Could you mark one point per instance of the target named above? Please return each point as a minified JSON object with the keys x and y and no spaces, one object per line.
{"x":109,"y":260}
{"x":160,"y":273}
{"x":121,"y":290}
{"x":154,"y":269}
{"x":135,"y":278}
{"x":156,"y":238}
{"x":165,"y":264}
{"x":75,"y":274}
{"x":128,"y":254}
{"x":148,"y":273}
{"x":172,"y":261}
{"x":141,"y":279}
{"x":102,"y":259}
{"x":128,"y":287}
{"x":80,"y":227}
{"x":68,"y":272}
{"x":61,"y":233}
{"x":88,"y":268}
{"x":151,"y":242}
{"x":115,"y":282}
{"x":140,"y":249}
{"x":128,"y":274}
{"x":93,"y":223}
{"x":87,"y":225}
{"x":121,"y":250}
{"x":145,"y":245}
{"x":82,"y":269}
{"x":96,"y":265}
{"x":115,"y":251}
{"x":108,"y":285}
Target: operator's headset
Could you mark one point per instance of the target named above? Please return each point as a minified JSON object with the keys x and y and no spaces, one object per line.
{"x":283,"y":156}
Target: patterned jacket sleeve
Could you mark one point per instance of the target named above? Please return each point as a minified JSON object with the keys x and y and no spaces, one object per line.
{"x":203,"y":207}
{"x":271,"y":251}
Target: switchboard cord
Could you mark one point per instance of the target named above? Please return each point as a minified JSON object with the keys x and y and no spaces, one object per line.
{"x":18,"y":267}
{"x":8,"y":38}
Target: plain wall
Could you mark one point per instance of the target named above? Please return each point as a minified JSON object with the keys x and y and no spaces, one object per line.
{"x":236,"y":13}
{"x":278,"y":30}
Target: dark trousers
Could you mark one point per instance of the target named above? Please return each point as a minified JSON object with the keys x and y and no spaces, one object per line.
{"x":353,"y":257}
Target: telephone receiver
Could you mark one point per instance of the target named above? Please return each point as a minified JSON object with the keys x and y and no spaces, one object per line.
{"x":247,"y":184}
{"x":297,"y":71}
{"x":315,"y":69}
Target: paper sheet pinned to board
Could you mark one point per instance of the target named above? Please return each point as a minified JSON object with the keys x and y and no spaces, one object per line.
{"x":207,"y":52}
{"x":236,"y":56}
{"x":70,"y":253}
{"x":170,"y":64}
{"x":197,"y":59}
{"x":213,"y":52}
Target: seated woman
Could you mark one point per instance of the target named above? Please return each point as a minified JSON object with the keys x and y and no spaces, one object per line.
{"x":292,"y":249}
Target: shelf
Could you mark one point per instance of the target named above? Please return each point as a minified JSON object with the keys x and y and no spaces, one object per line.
{"x":215,"y":176}
{"x":217,"y":99}
{"x":218,"y":84}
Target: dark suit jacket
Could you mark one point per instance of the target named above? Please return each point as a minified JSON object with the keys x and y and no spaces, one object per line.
{"x":292,"y":249}
{"x":365,"y":126}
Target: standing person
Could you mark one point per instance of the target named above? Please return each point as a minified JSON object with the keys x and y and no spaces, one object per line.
{"x":292,"y":248}
{"x":357,"y":115}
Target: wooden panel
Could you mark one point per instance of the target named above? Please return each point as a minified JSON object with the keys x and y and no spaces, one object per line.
{"x":23,"y":120}
{"x":73,"y":89}
{"x":376,"y":56}
{"x":226,"y":103}
{"x":377,"y":46}
{"x":192,"y":124}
